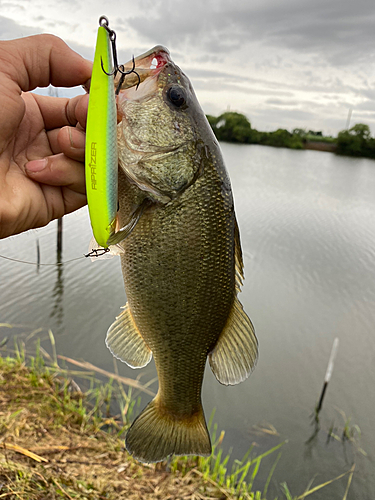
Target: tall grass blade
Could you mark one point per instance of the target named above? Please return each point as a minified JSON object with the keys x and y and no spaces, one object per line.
{"x":265,"y":491}
{"x":53,"y":345}
{"x":320,"y":486}
{"x":124,"y":380}
{"x":349,"y":482}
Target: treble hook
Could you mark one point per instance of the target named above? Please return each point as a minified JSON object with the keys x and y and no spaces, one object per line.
{"x":97,"y":252}
{"x":123,"y":74}
{"x":103,"y":21}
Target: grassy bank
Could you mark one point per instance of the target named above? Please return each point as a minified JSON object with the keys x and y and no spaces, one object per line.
{"x":57,"y":442}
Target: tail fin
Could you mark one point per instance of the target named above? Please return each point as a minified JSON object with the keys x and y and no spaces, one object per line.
{"x":156,"y":434}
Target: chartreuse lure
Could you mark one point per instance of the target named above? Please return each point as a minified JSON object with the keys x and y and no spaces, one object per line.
{"x":101,"y":141}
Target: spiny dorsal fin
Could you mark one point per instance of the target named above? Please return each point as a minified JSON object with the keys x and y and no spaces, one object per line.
{"x":126,"y":343}
{"x":238,"y":257}
{"x":234,"y":355}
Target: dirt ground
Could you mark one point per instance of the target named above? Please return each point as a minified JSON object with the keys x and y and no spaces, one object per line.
{"x":49,"y":449}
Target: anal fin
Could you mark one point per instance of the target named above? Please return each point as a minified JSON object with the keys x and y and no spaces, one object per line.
{"x":125,"y":341}
{"x":234,"y":355}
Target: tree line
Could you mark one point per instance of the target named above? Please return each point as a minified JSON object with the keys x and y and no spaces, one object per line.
{"x":235,"y":127}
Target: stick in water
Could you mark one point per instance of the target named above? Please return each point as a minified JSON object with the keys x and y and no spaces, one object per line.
{"x":327,"y":378}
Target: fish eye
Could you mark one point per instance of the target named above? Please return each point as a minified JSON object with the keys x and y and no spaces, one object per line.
{"x":176,"y":95}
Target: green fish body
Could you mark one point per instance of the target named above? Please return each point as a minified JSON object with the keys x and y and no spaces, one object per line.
{"x":182,"y":262}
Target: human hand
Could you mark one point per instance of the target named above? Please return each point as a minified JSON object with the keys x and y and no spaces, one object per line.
{"x":42,"y":139}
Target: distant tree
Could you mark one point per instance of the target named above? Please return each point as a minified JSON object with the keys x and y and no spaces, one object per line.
{"x":361,"y":130}
{"x":233,"y":127}
{"x":356,"y":141}
{"x":300,"y":132}
{"x":318,"y":133}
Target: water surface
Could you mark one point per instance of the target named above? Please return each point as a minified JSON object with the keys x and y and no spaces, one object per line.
{"x":308,"y":235}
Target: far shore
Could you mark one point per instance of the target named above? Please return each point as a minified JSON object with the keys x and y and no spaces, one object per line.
{"x":330,"y":147}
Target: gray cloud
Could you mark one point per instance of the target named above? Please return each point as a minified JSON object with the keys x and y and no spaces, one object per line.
{"x":285,"y":63}
{"x":9,"y":29}
{"x":338,"y":31}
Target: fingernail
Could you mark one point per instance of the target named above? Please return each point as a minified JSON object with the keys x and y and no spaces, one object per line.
{"x":36,"y":165}
{"x":77,"y":139}
{"x":70,"y":137}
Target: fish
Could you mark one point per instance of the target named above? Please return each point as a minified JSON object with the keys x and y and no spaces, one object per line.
{"x":181,"y":262}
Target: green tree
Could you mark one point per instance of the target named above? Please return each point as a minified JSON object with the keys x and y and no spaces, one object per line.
{"x":356,"y":141}
{"x":361,"y":130}
{"x":233,"y":127}
{"x":300,"y":132}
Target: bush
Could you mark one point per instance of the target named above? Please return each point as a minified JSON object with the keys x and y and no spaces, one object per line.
{"x":356,"y":141}
{"x":231,"y":127}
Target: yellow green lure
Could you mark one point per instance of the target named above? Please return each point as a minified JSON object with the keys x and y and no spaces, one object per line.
{"x":101,"y":158}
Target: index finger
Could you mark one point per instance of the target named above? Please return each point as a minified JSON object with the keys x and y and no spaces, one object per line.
{"x":40,"y":60}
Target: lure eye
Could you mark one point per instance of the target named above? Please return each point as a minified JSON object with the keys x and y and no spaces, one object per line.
{"x":176,"y":95}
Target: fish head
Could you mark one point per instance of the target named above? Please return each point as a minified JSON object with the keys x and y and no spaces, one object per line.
{"x":160,"y":139}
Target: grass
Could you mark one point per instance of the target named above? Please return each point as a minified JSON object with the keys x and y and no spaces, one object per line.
{"x":58,"y":442}
{"x":321,"y":138}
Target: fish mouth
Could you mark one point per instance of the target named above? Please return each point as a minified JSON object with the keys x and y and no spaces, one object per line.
{"x":146,"y":67}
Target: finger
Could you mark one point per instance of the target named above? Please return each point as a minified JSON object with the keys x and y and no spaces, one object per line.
{"x":53,"y":142}
{"x":39,"y":60}
{"x":58,"y":170}
{"x":71,"y":141}
{"x":68,"y":140}
{"x":57,"y":111}
{"x":81,"y":110}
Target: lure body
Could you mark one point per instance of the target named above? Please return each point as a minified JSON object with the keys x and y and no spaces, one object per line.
{"x":101,"y":165}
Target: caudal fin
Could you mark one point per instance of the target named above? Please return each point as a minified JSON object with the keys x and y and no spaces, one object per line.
{"x":156,"y":434}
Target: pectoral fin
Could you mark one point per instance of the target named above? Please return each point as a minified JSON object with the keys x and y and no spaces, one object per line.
{"x":124,"y":232}
{"x":234,"y":355}
{"x":125,"y":341}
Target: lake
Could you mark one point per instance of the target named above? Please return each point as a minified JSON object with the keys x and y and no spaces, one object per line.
{"x":307,"y":223}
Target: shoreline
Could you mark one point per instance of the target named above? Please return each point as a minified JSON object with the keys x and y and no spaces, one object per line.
{"x":329,"y":147}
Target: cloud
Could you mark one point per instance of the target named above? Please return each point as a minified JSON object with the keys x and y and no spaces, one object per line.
{"x":337,"y":31}
{"x":285,"y":63}
{"x":9,"y":29}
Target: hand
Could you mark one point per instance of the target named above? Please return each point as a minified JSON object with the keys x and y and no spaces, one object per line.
{"x":42,"y":138}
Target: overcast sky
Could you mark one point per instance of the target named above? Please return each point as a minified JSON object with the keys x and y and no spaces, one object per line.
{"x":283,"y":63}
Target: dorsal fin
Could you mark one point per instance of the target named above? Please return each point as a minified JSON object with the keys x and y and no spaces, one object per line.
{"x":238,"y":257}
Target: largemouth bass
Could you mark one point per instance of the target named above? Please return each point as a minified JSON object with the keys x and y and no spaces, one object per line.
{"x":182,"y":262}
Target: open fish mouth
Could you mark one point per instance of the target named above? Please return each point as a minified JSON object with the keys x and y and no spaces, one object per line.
{"x":147,"y":67}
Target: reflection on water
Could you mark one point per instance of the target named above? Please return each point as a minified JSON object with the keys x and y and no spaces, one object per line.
{"x":307,"y":229}
{"x":57,"y":294}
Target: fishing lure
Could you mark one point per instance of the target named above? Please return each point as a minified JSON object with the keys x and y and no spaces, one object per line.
{"x":101,"y":140}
